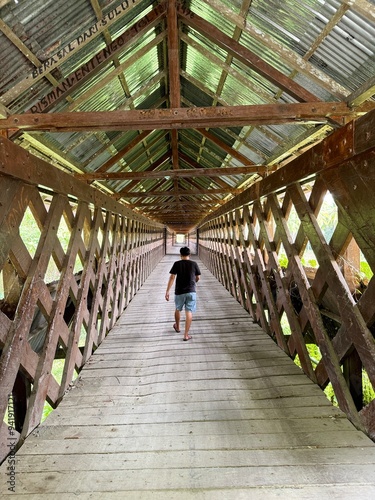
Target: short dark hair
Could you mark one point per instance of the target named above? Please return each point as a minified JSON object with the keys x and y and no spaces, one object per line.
{"x":185,"y":251}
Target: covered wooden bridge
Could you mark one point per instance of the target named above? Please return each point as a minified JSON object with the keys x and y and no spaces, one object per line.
{"x":245,"y":130}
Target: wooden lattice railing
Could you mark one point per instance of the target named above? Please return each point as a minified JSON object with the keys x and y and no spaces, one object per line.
{"x":269,"y":248}
{"x":108,"y":254}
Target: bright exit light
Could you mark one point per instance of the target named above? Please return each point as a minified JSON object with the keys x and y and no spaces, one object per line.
{"x":180,"y":238}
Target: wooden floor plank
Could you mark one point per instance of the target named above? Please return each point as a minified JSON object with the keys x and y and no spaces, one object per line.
{"x":226,"y":415}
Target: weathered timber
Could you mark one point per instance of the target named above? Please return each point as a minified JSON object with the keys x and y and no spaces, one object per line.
{"x":324,"y":306}
{"x":173,"y":173}
{"x":18,"y":163}
{"x":38,"y":328}
{"x":168,"y":417}
{"x":99,"y":61}
{"x":178,"y":118}
{"x":353,"y":139}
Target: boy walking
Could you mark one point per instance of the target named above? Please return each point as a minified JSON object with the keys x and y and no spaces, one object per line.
{"x":188,"y":275}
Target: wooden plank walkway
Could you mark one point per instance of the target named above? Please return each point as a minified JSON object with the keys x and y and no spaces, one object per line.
{"x":226,"y":415}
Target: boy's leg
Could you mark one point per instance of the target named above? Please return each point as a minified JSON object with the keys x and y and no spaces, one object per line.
{"x":188,"y":320}
{"x":177,"y":317}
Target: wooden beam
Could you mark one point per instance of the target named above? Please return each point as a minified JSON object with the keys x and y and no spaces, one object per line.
{"x":176,"y":118}
{"x":204,"y":160}
{"x":218,"y":62}
{"x":3,"y":111}
{"x":117,"y":157}
{"x":245,"y":7}
{"x":9,"y":33}
{"x":195,"y":192}
{"x":364,"y":92}
{"x":118,"y":71}
{"x":155,"y":165}
{"x":365,"y":8}
{"x":18,"y":163}
{"x":162,"y":204}
{"x":175,"y":210}
{"x":173,"y":55}
{"x":174,"y":173}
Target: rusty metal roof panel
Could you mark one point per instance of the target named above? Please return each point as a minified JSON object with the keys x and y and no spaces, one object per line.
{"x":263,"y":143}
{"x":67,"y":21}
{"x":250,"y":153}
{"x":288,"y":20}
{"x":80,"y":147}
{"x":211,"y":14}
{"x":348,"y":52}
{"x":44,"y":27}
{"x":13,"y":64}
{"x":345,"y":53}
{"x":145,"y":69}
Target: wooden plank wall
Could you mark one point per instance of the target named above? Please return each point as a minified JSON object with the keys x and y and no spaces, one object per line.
{"x":115,"y":250}
{"x":321,"y":306}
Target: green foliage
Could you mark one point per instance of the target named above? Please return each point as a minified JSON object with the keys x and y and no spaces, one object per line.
{"x":368,"y":390}
{"x":283,"y":260}
{"x":315,"y":357}
{"x":57,"y":372}
{"x":29,"y":232}
{"x":285,"y":325}
{"x":46,"y":411}
{"x":366,"y":270}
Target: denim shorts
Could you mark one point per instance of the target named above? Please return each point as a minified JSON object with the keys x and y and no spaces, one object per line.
{"x":189,"y":300}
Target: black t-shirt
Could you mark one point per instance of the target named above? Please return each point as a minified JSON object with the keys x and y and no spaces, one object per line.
{"x":186,"y":271}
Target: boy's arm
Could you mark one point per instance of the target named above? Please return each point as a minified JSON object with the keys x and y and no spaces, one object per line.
{"x":169,"y":286}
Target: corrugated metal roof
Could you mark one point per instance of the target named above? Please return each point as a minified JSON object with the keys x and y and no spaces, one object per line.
{"x":229,"y":53}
